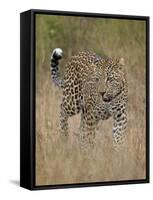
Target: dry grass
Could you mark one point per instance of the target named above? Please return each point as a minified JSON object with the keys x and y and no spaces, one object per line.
{"x":58,"y":162}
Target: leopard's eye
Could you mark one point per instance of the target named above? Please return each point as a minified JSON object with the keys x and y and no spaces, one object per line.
{"x":97,"y":79}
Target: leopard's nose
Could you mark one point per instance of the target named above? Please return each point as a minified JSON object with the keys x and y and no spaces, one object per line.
{"x":102,"y":93}
{"x":105,"y":98}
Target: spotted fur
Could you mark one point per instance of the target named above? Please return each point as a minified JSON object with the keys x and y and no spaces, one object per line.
{"x":96,"y":88}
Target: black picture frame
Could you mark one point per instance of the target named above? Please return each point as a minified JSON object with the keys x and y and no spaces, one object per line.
{"x":27,"y":99}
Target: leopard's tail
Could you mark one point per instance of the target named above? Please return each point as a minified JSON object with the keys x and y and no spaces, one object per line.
{"x":54,"y":62}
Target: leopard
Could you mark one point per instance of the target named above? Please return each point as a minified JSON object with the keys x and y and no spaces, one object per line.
{"x":96,"y":87}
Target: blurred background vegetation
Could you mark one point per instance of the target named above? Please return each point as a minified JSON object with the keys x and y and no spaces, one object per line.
{"x":57,"y":163}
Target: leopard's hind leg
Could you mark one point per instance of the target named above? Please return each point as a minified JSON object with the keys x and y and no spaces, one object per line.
{"x":70,"y":106}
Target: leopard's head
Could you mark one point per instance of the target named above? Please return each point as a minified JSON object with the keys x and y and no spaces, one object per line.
{"x":114,"y":80}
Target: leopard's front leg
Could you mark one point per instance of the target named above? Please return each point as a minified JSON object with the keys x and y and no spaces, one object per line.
{"x":88,"y":128}
{"x":119,"y":125}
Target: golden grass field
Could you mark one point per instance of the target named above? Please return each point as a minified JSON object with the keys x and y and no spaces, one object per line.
{"x":58,"y":162}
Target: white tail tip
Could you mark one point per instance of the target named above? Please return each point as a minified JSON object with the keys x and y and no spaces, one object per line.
{"x":58,"y":52}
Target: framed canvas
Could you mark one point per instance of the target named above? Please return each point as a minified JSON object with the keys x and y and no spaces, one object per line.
{"x":84,"y":99}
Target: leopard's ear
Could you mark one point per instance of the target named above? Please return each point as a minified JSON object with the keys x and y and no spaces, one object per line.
{"x":121,"y":61}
